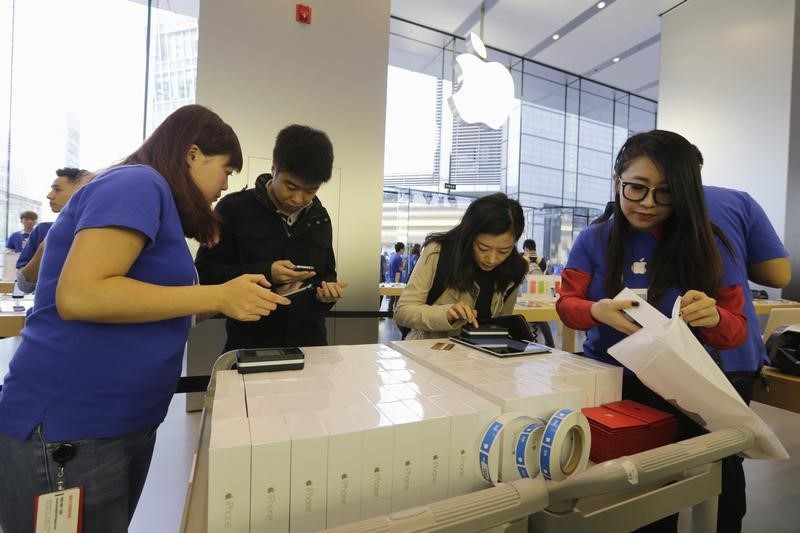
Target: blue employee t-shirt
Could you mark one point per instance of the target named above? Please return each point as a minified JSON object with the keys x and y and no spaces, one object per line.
{"x":589,"y":254}
{"x":17,"y":241}
{"x":37,"y":236}
{"x":90,"y":380}
{"x":753,"y":238}
{"x":395,"y":266}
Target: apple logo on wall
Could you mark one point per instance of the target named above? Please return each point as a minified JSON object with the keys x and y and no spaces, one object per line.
{"x":485,"y":91}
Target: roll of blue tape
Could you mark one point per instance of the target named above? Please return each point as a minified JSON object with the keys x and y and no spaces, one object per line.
{"x":489,"y":453}
{"x":527,"y":449}
{"x":566,"y":434}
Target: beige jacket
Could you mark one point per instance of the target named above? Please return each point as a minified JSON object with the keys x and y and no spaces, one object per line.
{"x":430,"y":321}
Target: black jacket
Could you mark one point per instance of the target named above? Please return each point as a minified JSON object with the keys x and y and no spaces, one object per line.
{"x":253,"y":235}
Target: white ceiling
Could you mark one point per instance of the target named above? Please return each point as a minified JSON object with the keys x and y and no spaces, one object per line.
{"x":587,"y":49}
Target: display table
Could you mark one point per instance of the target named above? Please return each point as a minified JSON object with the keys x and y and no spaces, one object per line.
{"x":575,"y":505}
{"x":778,"y":389}
{"x":11,"y":321}
{"x":763,"y":307}
{"x":391,"y":289}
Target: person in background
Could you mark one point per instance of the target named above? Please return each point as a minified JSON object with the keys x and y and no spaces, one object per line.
{"x":271,"y":228}
{"x":101,"y":351}
{"x":537,"y":264}
{"x":395,"y":272}
{"x":68,"y":180}
{"x":16,"y":241}
{"x":659,"y":242}
{"x":764,"y":260}
{"x":413,"y":257}
{"x":478,"y":266}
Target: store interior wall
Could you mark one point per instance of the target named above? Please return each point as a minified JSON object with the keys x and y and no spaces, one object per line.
{"x":726,"y":84}
{"x":261,"y":70}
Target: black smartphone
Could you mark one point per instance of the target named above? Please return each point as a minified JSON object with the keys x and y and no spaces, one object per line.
{"x":269,"y":359}
{"x":303,"y":268}
{"x":292,"y":289}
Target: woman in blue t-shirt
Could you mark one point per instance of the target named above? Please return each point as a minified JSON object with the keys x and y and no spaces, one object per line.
{"x":101,"y":351}
{"x":661,"y":243}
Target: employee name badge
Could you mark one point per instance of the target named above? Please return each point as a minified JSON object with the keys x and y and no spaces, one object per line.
{"x":59,"y":512}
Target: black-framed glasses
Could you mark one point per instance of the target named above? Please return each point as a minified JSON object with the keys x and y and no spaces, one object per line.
{"x":636,"y":192}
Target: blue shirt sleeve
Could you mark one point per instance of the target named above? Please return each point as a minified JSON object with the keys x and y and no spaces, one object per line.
{"x":125,"y":197}
{"x":763,"y":242}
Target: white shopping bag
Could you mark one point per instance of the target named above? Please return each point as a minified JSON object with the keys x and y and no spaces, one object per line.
{"x":668,"y":359}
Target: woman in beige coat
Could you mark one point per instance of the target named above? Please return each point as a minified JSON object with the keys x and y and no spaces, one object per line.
{"x":467,"y":274}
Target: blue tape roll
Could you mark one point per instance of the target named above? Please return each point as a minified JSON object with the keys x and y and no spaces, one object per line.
{"x":558,"y":430}
{"x":531,"y":431}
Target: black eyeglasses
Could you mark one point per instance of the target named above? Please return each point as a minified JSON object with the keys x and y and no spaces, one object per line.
{"x":636,"y":192}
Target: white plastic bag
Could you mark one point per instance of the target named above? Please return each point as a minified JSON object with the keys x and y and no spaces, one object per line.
{"x":669,"y":360}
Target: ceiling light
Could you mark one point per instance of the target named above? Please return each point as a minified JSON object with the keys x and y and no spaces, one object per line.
{"x":556,"y":36}
{"x":615,"y":60}
{"x":601,"y":5}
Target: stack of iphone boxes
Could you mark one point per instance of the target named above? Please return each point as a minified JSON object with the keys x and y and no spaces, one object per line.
{"x":361,"y":431}
{"x":535,"y":385}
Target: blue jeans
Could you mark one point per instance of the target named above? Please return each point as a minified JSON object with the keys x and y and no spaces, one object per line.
{"x":112,"y":472}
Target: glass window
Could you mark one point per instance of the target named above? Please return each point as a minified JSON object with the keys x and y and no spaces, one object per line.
{"x":555,"y":152}
{"x":76,"y":93}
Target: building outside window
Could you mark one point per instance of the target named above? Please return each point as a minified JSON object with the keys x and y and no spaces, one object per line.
{"x":554,"y":154}
{"x":77,"y":89}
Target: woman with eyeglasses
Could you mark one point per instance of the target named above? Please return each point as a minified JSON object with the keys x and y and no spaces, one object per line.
{"x":659,"y":242}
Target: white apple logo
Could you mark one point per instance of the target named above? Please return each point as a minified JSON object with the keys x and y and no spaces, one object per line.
{"x":485,"y":89}
{"x":639,"y":267}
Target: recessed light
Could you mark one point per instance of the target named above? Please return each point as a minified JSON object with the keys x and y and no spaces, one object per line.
{"x":556,"y":36}
{"x":601,"y":5}
{"x":615,"y":60}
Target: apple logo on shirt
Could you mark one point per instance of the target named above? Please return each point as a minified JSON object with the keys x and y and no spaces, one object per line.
{"x":639,"y":267}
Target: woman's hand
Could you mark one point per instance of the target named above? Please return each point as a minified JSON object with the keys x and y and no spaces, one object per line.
{"x":247,"y":298}
{"x":609,"y":312}
{"x":699,"y":310}
{"x":459,"y":311}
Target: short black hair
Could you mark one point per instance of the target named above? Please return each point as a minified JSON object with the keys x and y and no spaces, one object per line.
{"x":71,"y":173}
{"x":399,"y":246}
{"x":305,"y":152}
{"x":529,"y":244}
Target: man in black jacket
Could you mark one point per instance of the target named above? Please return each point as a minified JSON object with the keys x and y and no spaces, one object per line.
{"x":271,"y":229}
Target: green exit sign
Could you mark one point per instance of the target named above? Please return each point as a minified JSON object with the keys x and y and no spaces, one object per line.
{"x":450,"y":186}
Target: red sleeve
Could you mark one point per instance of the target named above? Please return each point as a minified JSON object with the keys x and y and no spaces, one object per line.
{"x":572,"y":305}
{"x":732,"y":328}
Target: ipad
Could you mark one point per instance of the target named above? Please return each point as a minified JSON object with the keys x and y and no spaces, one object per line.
{"x":502,"y":347}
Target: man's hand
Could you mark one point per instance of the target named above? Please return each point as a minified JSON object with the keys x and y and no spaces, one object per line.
{"x":282,"y":272}
{"x":331,"y":291}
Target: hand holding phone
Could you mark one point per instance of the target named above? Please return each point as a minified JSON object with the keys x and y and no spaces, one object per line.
{"x":291,"y":289}
{"x":303,"y":268}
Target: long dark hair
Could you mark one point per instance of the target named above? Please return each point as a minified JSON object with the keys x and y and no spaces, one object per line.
{"x":494,"y":214}
{"x":166,"y":149}
{"x":687,"y":254}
